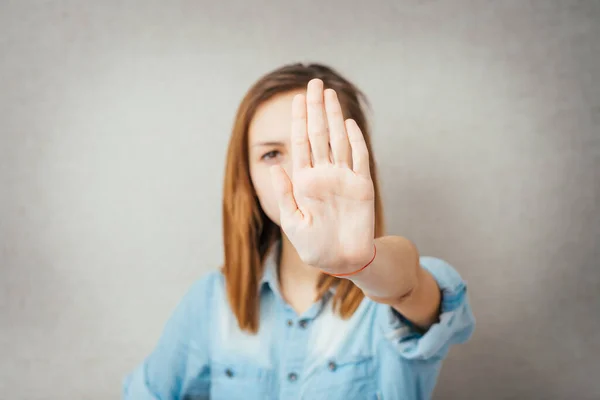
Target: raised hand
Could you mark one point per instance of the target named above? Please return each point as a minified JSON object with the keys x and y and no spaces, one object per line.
{"x":327,"y":208}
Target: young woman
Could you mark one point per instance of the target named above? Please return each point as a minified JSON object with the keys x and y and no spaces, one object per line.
{"x":313,"y":301}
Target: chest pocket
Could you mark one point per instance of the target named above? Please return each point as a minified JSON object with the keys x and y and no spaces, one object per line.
{"x":347,"y":377}
{"x":232,"y":380}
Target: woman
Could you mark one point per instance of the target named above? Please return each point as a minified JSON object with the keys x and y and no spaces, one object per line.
{"x":313,"y":301}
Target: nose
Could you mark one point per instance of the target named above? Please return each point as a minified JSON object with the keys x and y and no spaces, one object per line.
{"x":287,"y":167}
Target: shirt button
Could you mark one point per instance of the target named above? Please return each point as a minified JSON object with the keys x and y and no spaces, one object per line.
{"x":292,"y":377}
{"x":229,"y":373}
{"x":332,"y":366}
{"x":290,"y":322}
{"x":303,"y":323}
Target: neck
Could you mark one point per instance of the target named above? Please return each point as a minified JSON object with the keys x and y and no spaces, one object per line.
{"x":292,"y":271}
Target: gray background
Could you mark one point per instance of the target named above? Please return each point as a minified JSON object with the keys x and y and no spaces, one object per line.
{"x":114,"y":121}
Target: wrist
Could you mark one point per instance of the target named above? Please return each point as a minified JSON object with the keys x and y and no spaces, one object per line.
{"x":394,"y":275}
{"x":353,"y":270}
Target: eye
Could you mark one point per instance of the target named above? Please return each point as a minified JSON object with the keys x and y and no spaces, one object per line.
{"x":270,"y":155}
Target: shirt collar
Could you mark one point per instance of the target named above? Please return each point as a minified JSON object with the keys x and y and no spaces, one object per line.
{"x":270,"y":276}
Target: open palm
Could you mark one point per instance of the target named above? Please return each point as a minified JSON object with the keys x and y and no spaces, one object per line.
{"x":327,"y":207}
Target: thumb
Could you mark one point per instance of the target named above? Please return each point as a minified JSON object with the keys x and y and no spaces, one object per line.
{"x":283,"y":191}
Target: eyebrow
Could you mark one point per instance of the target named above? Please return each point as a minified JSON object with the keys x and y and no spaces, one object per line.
{"x":267,"y":144}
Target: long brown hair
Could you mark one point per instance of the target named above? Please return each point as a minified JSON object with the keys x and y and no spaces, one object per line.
{"x":248,"y":233}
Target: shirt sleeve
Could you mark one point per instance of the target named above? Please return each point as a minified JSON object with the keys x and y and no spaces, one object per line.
{"x":456,"y":321}
{"x":179,"y":362}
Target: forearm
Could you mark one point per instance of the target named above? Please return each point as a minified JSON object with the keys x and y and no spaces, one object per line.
{"x":396,"y":277}
{"x":393,"y":272}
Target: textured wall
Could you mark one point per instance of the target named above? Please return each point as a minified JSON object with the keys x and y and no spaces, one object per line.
{"x":114,"y":120}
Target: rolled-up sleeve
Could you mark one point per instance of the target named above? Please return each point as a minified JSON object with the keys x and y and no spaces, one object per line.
{"x":456,"y":322}
{"x":179,"y":362}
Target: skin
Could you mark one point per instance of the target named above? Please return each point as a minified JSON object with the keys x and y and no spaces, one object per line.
{"x":323,"y":200}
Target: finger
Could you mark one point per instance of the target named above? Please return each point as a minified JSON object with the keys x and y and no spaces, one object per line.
{"x":300,"y":143}
{"x":338,"y":138}
{"x":317,"y":122}
{"x":283,"y":192}
{"x":360,"y":153}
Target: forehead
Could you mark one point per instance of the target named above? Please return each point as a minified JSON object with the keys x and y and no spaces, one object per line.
{"x":272,"y":120}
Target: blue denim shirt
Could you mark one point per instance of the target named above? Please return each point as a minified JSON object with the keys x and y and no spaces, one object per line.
{"x":375,"y":354}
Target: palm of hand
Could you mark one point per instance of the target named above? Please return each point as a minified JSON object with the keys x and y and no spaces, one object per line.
{"x":327,"y":208}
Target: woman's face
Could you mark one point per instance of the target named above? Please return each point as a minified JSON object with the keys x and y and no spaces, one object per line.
{"x":269,"y":144}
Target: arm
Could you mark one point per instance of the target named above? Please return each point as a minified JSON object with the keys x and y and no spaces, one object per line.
{"x":178,"y":365}
{"x":395,"y":277}
{"x":454,"y":323}
{"x":327,"y":210}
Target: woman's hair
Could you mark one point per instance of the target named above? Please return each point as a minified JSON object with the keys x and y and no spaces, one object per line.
{"x":248,"y":234}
